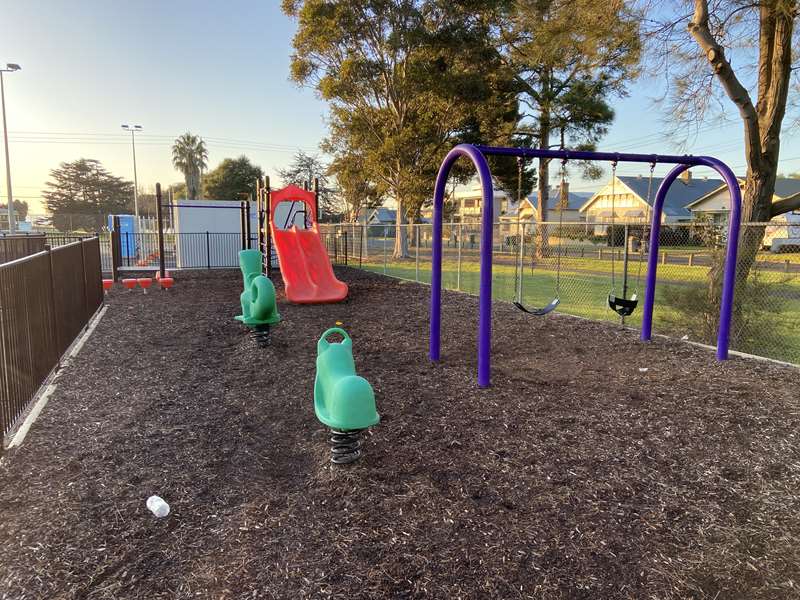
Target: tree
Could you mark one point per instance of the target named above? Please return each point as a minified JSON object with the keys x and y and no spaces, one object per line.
{"x":405,"y":80}
{"x":303,"y":169}
{"x":189,"y":156}
{"x":232,"y":178}
{"x":698,"y":48}
{"x":357,"y":193}
{"x":760,"y":35}
{"x":178,"y":191}
{"x":20,"y":209}
{"x":570,"y":57}
{"x":82,"y":193}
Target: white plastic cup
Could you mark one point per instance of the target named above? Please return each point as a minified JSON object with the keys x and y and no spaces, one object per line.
{"x":157,"y":506}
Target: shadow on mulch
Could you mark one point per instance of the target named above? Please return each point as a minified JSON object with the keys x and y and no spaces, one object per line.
{"x":574,"y":476}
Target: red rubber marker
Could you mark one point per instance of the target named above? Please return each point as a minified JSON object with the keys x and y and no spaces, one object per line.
{"x":145,"y":282}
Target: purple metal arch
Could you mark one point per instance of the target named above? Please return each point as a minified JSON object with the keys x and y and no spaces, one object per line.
{"x":731,"y":251}
{"x":478,"y":156}
{"x":485,"y":298}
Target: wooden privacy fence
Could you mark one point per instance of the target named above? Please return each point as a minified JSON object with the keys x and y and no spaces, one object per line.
{"x":46,"y":300}
{"x":13,"y":247}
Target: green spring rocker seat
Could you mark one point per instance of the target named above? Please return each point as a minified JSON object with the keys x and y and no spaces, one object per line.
{"x":259,"y":309}
{"x":343,"y":401}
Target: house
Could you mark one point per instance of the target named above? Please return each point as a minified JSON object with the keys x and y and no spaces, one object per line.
{"x":469,"y":200}
{"x":628,"y":195}
{"x":382,"y":216}
{"x":716,"y":205}
{"x":569,"y":213}
{"x":4,"y":217}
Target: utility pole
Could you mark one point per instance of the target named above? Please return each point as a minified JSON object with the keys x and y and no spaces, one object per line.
{"x":10,"y":68}
{"x":133,"y":129}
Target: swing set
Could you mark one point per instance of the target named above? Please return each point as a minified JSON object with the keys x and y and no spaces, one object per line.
{"x":620,"y":304}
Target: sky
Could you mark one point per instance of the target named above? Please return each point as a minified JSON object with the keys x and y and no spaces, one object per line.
{"x":219,"y":70}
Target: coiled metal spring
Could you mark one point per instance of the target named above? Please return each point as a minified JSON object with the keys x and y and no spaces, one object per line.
{"x":260,"y":334}
{"x":345,"y":446}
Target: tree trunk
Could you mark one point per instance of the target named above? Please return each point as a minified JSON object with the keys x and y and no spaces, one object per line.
{"x":756,"y":201}
{"x":400,"y":233}
{"x":543,"y":186}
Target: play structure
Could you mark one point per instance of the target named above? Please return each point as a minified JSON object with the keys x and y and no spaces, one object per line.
{"x":343,"y":401}
{"x":303,"y":258}
{"x":621,"y":304}
{"x":259,"y":309}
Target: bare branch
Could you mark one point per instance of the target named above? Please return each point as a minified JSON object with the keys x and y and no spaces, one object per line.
{"x":737,"y":93}
{"x":785,"y":205}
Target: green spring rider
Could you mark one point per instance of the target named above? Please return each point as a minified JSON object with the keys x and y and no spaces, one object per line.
{"x":343,"y":401}
{"x":259,"y":309}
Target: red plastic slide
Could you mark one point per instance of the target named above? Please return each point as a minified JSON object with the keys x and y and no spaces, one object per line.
{"x":304,"y":263}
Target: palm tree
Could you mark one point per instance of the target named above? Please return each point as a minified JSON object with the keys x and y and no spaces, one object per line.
{"x":189,"y":156}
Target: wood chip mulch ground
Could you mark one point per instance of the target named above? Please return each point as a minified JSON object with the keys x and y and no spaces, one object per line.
{"x":577,"y":475}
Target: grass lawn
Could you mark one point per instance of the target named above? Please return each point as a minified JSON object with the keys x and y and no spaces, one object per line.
{"x":586,"y":283}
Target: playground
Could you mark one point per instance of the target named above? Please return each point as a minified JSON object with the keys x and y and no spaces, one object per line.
{"x":596,"y":466}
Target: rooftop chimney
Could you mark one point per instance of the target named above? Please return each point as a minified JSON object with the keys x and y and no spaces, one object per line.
{"x":563,"y":200}
{"x":687,"y":176}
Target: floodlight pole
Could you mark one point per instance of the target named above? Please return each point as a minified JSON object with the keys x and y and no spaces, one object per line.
{"x":10,"y":68}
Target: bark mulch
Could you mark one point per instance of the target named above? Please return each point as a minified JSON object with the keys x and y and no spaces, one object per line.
{"x":575,"y":476}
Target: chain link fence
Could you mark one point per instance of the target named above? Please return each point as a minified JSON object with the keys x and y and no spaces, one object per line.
{"x":582,"y":263}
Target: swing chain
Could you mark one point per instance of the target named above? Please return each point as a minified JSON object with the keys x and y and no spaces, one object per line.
{"x":612,"y":241}
{"x":646,"y":231}
{"x":563,"y":203}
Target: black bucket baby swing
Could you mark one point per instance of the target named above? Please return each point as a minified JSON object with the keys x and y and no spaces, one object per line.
{"x":624,"y":305}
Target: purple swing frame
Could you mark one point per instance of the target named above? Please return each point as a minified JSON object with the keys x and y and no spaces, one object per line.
{"x":478,"y":156}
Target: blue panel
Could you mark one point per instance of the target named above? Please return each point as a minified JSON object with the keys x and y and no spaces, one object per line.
{"x":127,"y":234}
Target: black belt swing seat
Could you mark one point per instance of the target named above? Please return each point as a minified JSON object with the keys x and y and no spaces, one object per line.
{"x":540,"y":312}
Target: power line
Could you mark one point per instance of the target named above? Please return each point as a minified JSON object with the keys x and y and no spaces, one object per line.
{"x":28,"y":136}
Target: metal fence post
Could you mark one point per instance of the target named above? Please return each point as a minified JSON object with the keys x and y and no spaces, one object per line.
{"x":344,"y":233}
{"x":160,"y":225}
{"x":335,"y":246}
{"x":361,"y":246}
{"x":116,"y":249}
{"x":247,"y":228}
{"x":85,"y":286}
{"x":242,"y":227}
{"x":208,"y":250}
{"x":458,"y":264}
{"x":416,"y":253}
{"x":385,"y":236}
{"x":56,"y":329}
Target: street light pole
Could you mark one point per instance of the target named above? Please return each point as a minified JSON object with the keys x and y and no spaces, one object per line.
{"x":133,"y":129}
{"x":10,"y":68}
